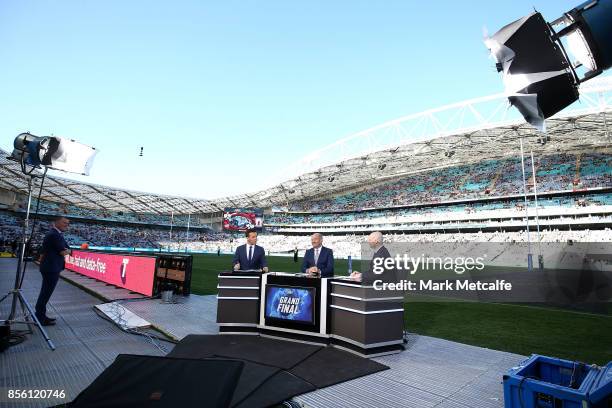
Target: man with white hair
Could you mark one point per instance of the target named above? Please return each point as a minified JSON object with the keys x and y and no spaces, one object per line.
{"x":375,"y":241}
{"x":319,"y":260}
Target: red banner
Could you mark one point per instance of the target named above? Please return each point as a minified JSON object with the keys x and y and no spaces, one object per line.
{"x":135,"y":273}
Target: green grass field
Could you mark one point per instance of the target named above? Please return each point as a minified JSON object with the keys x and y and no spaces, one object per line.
{"x":515,"y":328}
{"x":206,"y":267}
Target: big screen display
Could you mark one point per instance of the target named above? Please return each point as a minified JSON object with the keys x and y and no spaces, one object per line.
{"x":290,"y":303}
{"x":135,"y":273}
{"x":242,"y":219}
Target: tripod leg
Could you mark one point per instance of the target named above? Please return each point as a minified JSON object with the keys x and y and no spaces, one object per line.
{"x":33,"y":316}
{"x":26,"y":316}
{"x":12,"y":292}
{"x":20,"y":263}
{"x":5,"y":296}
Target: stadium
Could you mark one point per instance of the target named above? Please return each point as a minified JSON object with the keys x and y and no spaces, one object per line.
{"x":467,"y":175}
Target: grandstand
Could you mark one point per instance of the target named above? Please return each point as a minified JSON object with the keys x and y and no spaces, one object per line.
{"x":449,"y":173}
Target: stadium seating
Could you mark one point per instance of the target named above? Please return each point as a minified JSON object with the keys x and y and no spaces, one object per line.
{"x":391,"y":215}
{"x":490,"y":178}
{"x":431,"y":200}
{"x":51,"y":208}
{"x":104,"y":235}
{"x":575,"y":209}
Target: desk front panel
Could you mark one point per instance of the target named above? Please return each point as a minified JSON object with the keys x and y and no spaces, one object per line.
{"x":238,"y":299}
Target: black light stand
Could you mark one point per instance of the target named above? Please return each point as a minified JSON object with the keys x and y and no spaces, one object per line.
{"x":28,"y":317}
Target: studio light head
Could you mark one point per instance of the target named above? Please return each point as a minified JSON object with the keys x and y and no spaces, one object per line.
{"x":34,"y":150}
{"x":53,"y":152}
{"x":588,"y":30}
{"x":540,"y":78}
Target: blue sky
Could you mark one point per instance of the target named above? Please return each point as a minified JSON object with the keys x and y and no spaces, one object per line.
{"x":222,"y":94}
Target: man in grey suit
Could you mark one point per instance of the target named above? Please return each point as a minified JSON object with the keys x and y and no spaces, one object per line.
{"x":319,"y":260}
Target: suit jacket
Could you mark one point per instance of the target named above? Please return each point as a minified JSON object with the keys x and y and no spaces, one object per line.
{"x":257,"y":262}
{"x":387,"y":276}
{"x":52,"y":259}
{"x":325,"y":263}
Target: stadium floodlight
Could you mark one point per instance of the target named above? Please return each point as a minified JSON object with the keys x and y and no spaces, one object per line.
{"x":53,"y":152}
{"x":539,"y":77}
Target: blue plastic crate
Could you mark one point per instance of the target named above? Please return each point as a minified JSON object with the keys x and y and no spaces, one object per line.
{"x":547,"y":382}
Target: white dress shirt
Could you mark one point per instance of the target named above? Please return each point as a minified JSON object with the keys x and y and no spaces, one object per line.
{"x":248,"y":248}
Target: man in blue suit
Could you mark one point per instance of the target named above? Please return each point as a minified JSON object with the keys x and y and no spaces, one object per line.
{"x":319,"y":260}
{"x":250,"y":255}
{"x":54,"y":249}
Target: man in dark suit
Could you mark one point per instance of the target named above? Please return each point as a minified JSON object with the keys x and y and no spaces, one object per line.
{"x":250,"y":255}
{"x":375,"y":241}
{"x":54,"y":249}
{"x":319,"y":260}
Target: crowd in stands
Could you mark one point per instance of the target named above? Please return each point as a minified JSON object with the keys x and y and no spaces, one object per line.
{"x":10,"y":232}
{"x":344,"y":245}
{"x":393,"y":215}
{"x":350,"y":244}
{"x":104,"y":235}
{"x":485,"y":179}
{"x":489,"y":178}
{"x":48,"y":207}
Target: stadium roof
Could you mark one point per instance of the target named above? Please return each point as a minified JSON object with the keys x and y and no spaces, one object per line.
{"x":465,"y":132}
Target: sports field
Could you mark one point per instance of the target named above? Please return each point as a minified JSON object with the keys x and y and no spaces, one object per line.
{"x":515,"y":328}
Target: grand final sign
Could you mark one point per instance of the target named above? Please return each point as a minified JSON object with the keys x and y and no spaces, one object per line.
{"x":290,"y":303}
{"x":135,"y":273}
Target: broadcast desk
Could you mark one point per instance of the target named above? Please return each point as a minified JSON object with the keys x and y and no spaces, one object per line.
{"x":337,"y":311}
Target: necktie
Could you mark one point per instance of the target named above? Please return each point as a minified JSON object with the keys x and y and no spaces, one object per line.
{"x":316,"y":255}
{"x":250,"y":252}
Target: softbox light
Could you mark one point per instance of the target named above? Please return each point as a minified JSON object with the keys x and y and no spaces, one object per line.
{"x":539,"y":77}
{"x":54,"y":152}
